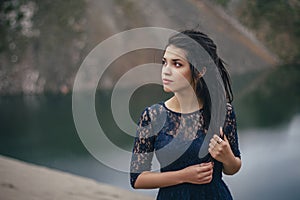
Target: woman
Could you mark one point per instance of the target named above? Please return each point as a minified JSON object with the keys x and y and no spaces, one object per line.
{"x":175,"y":129}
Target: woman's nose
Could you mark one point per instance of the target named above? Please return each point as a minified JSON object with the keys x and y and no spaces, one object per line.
{"x":166,"y":70}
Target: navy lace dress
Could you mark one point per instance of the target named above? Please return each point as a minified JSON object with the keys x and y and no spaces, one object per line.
{"x":175,"y":139}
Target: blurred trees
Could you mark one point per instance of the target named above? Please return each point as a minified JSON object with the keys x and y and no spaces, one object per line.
{"x":276,"y":97}
{"x":277,"y":22}
{"x":271,"y":96}
{"x":41,"y":43}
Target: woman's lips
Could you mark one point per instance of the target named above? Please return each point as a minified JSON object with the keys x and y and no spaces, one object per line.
{"x":166,"y":81}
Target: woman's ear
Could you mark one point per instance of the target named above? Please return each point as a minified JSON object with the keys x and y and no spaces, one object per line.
{"x":202,"y":72}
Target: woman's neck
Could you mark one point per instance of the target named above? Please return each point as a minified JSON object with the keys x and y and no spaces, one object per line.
{"x":184,"y":102}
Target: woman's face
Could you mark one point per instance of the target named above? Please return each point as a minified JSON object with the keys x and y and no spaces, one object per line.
{"x":176,"y":73}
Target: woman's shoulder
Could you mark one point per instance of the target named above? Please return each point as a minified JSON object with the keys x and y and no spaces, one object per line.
{"x":154,"y":109}
{"x":157,"y":106}
{"x":155,"y":115}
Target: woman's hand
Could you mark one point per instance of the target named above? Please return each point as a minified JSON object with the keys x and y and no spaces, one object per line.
{"x":220,"y":149}
{"x":198,"y":174}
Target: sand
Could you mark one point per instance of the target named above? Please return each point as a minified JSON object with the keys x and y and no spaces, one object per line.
{"x":20,"y":180}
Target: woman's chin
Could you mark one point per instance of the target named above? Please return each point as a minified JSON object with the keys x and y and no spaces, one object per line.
{"x":167,"y":89}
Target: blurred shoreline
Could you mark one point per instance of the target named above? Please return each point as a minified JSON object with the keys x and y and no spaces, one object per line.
{"x":20,"y":180}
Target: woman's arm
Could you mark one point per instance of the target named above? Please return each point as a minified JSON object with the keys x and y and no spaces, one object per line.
{"x":232,"y":165}
{"x":197,"y":174}
{"x":227,"y":150}
{"x":220,"y":150}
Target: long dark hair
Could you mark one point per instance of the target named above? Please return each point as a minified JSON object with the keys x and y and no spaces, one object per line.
{"x":186,"y":41}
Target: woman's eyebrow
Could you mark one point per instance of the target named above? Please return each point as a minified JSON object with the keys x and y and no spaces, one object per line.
{"x":174,"y":59}
{"x":177,"y":59}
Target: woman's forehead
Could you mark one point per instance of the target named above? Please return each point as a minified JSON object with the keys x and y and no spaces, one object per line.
{"x":173,"y":52}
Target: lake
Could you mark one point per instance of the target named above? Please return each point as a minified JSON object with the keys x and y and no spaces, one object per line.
{"x":41,"y":130}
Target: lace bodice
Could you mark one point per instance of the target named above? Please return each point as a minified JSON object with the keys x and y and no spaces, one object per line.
{"x":175,"y":138}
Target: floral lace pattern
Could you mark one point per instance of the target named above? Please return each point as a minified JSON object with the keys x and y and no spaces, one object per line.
{"x":176,"y":139}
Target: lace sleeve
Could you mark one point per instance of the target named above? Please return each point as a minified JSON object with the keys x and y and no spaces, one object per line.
{"x":143,"y":147}
{"x":230,"y":130}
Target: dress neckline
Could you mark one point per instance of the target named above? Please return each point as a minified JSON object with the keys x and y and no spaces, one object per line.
{"x":179,"y":113}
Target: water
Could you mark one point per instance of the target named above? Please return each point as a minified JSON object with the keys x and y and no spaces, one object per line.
{"x":271,"y":160}
{"x":40,"y":129}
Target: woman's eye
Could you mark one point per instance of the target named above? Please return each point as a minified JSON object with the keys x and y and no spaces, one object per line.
{"x":163,"y":62}
{"x":178,"y":64}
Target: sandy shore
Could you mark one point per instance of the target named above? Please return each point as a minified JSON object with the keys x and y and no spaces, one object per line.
{"x":20,"y":180}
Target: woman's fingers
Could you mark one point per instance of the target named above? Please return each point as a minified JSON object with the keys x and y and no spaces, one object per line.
{"x":205,"y":173}
{"x":214,"y":144}
{"x":221,"y":132}
{"x":205,"y":168}
{"x":219,"y":148}
{"x":199,"y":173}
{"x":217,"y":139}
